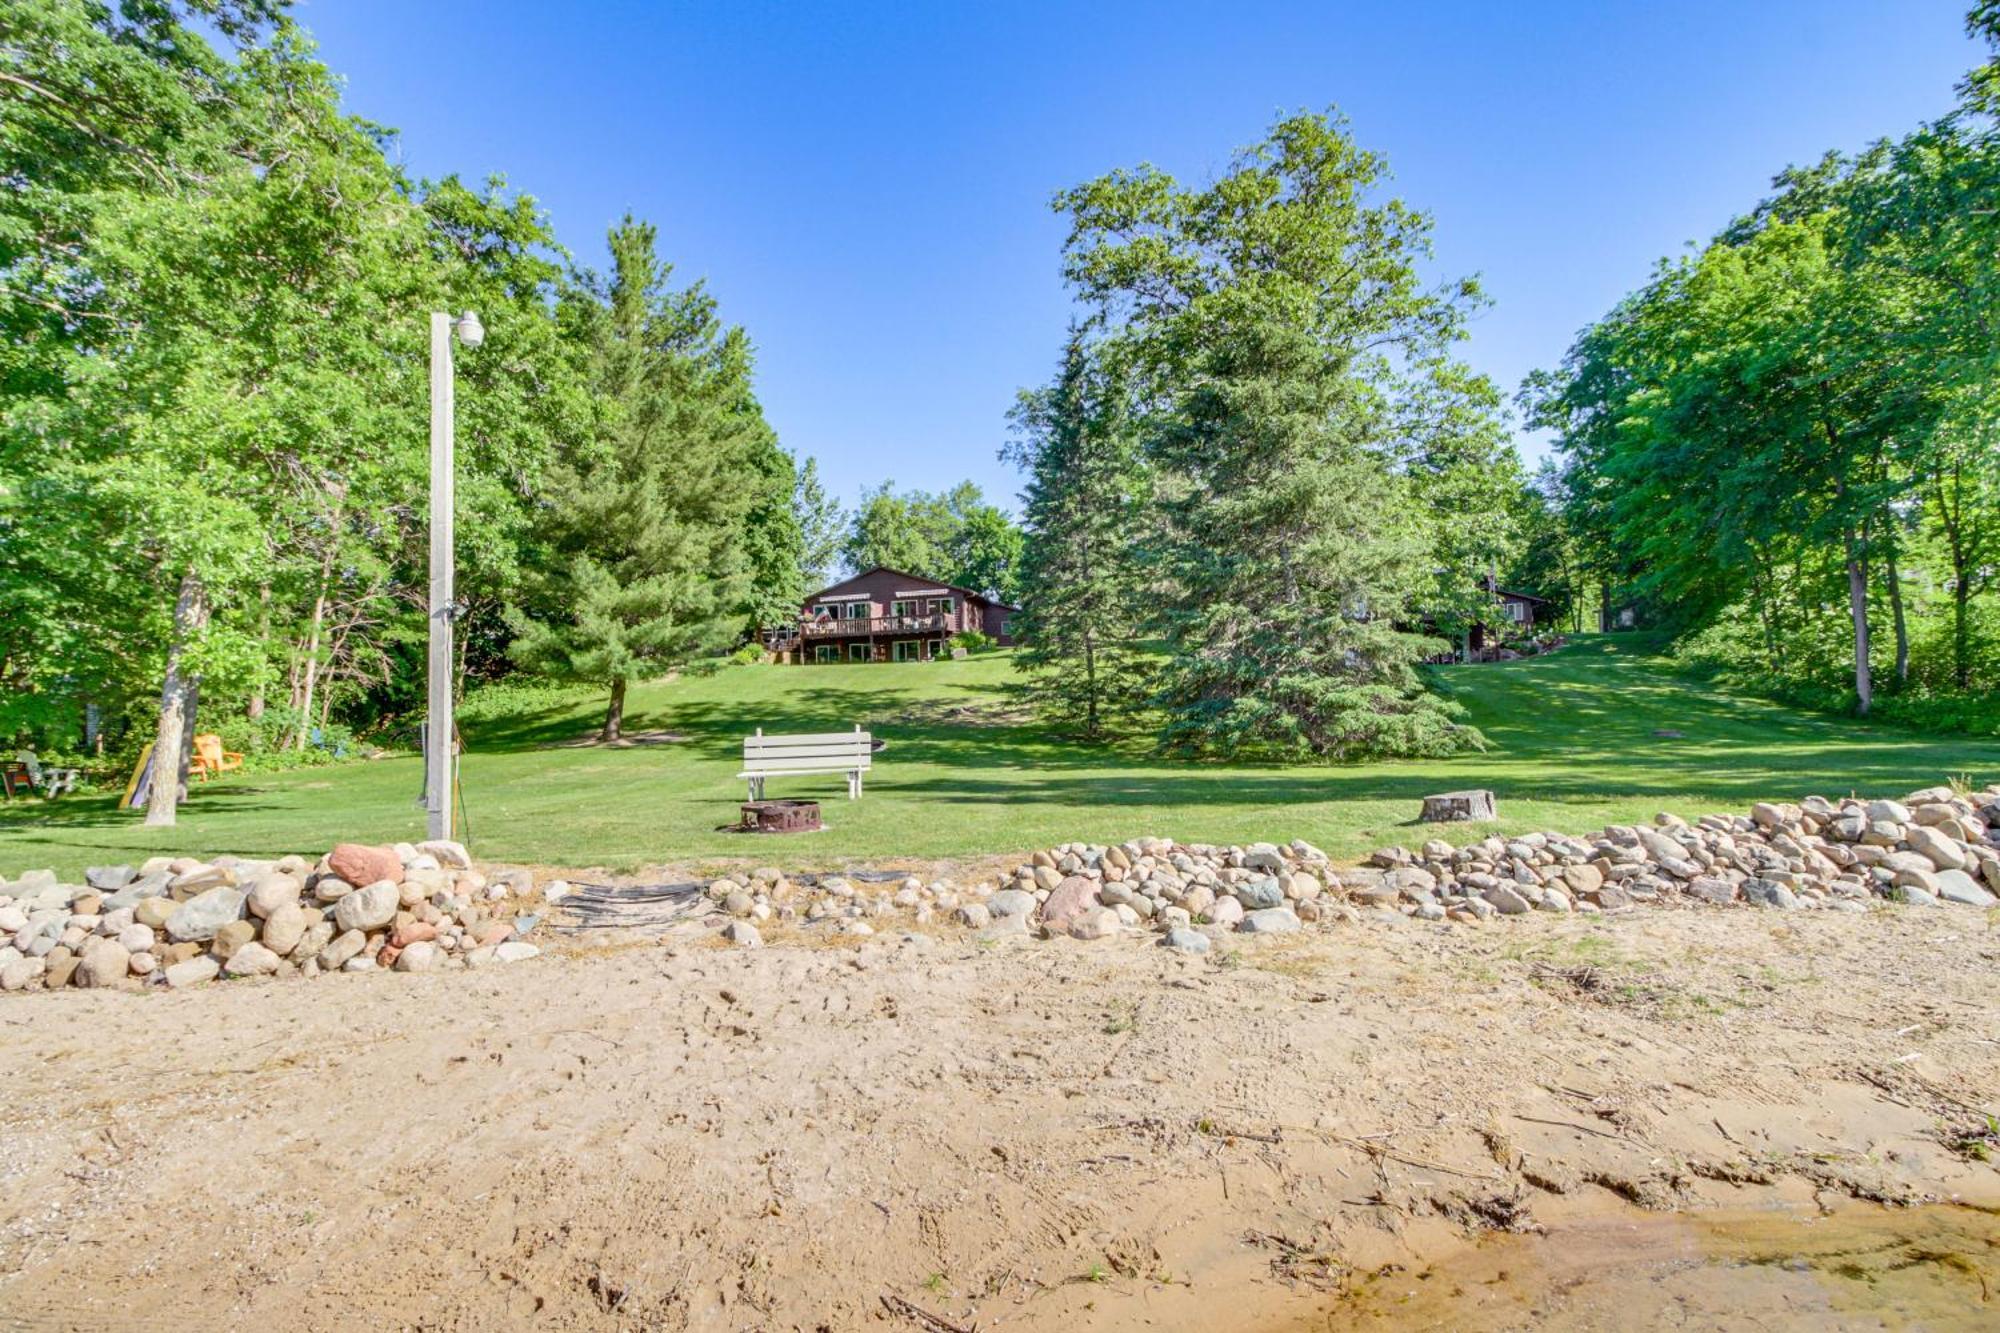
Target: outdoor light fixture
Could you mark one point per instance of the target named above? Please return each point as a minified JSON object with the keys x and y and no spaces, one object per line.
{"x":470,"y":331}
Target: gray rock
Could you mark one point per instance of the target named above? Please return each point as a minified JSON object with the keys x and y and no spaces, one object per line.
{"x":1942,"y":851}
{"x":1505,"y":900}
{"x":193,"y":972}
{"x":450,"y":855}
{"x":1765,"y":893}
{"x":1095,"y":923}
{"x":368,"y":909}
{"x":737,"y":932}
{"x":520,"y":951}
{"x":974,"y":915}
{"x":109,"y":879}
{"x":1011,"y":902}
{"x":20,"y":972}
{"x":284,"y":927}
{"x":1955,"y":886}
{"x":1711,"y":889}
{"x":1259,"y":894}
{"x":342,"y":949}
{"x":201,"y":879}
{"x":1892,"y":812}
{"x":251,"y":960}
{"x":1185,"y":940}
{"x":105,"y":962}
{"x":421,"y":956}
{"x":1270,"y":921}
{"x":269,"y":893}
{"x":202,"y":915}
{"x":146,"y":886}
{"x":1914,"y":896}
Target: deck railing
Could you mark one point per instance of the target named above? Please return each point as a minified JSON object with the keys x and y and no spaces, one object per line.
{"x":863,"y":625}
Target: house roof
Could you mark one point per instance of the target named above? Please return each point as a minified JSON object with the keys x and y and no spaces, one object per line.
{"x":973,"y":593}
{"x":1521,"y":596}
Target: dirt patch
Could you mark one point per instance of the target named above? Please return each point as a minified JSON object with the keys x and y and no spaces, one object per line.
{"x":1038,"y":1136}
{"x":630,"y":740}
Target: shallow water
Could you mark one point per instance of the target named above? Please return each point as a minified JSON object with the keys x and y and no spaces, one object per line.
{"x":1860,"y":1267}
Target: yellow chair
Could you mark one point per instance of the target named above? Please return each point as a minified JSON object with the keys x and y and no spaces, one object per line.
{"x":210,"y":757}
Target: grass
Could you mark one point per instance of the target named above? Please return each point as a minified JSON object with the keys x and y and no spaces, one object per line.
{"x":968,"y":773}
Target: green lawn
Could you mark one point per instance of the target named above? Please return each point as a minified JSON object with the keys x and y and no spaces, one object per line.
{"x":967,"y":774}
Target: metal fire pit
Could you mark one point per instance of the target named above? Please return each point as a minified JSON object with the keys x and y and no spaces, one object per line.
{"x":780,"y":816}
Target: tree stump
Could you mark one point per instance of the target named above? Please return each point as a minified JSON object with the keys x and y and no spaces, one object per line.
{"x":1458,"y":806}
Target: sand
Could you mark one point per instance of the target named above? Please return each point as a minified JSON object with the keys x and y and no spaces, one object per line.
{"x":933,"y":1134}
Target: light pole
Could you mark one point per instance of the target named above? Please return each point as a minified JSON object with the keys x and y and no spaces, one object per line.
{"x":439,"y":756}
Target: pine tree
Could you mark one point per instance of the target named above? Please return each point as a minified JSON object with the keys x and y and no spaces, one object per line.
{"x":647,"y":571}
{"x":1277,"y":323}
{"x":773,"y":541}
{"x":1080,"y":580}
{"x":822,"y":526}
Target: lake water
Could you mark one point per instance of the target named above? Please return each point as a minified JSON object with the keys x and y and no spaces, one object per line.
{"x":1859,"y":1267}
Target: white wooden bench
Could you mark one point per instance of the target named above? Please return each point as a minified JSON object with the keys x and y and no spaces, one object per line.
{"x":764,"y":756}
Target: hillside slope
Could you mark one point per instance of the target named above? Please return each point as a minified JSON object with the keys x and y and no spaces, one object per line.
{"x":1578,"y":738}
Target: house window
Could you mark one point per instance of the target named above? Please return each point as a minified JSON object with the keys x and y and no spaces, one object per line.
{"x":857,"y":610}
{"x":857,"y":652}
{"x":906,"y":650}
{"x":902,"y":608}
{"x":1517,"y":611}
{"x":940,"y":606}
{"x":826,"y":652}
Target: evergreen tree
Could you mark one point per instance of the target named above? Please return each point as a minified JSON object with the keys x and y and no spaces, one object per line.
{"x":822,"y":526}
{"x":647,"y":570}
{"x":1278,"y":329}
{"x":773,"y":541}
{"x":1080,"y":578}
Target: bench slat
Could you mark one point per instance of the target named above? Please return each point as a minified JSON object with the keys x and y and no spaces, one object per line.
{"x":806,"y":752}
{"x":808,"y":764}
{"x":812,"y":737}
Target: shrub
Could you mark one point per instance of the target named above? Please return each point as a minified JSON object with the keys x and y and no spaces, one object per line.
{"x":973,"y":641}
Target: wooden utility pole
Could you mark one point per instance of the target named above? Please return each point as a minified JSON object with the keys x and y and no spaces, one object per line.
{"x":438,"y":730}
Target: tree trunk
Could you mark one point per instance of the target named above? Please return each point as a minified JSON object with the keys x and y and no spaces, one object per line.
{"x":190,"y":614}
{"x":614,"y":716}
{"x":1961,"y":636}
{"x":1896,"y":615}
{"x":1857,"y":604}
{"x":1090,"y":720}
{"x":255,"y":708}
{"x":311,"y":673}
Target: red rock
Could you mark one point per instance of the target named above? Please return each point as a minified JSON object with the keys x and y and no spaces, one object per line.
{"x":410,"y":932}
{"x":1067,"y":901}
{"x":361,"y":865}
{"x":387,"y":956}
{"x":497,"y":932}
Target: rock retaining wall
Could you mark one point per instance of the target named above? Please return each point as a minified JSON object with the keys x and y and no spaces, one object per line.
{"x":1934,"y":847}
{"x":179,"y":922}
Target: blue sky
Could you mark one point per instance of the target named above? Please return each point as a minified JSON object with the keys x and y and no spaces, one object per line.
{"x":865,"y":186}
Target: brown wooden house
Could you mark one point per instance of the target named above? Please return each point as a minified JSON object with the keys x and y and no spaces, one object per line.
{"x":886,"y":615}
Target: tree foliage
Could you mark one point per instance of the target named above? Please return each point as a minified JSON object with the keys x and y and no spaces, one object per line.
{"x":647,"y":568}
{"x":1788,"y":441}
{"x":1291,"y":377}
{"x":1082,"y":579}
{"x":215,"y":287}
